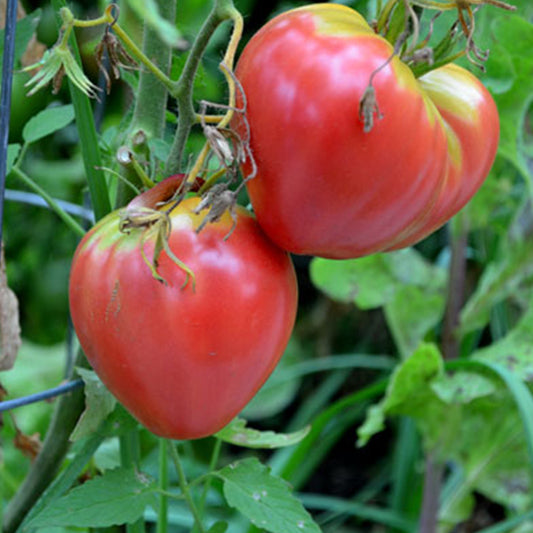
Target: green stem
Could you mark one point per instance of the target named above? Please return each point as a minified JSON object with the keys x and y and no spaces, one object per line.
{"x":149,"y":114}
{"x":151,"y":104}
{"x":162,"y":518}
{"x":144,"y":57}
{"x":184,"y":485}
{"x":183,"y":88}
{"x":130,"y":456}
{"x":88,"y":138}
{"x":63,"y":215}
{"x":215,"y":456}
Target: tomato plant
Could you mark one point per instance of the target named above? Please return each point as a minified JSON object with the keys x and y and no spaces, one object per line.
{"x":338,"y":174}
{"x":183,"y":352}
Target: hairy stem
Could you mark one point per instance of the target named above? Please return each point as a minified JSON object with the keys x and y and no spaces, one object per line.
{"x":184,"y":485}
{"x":183,"y":88}
{"x":151,"y":103}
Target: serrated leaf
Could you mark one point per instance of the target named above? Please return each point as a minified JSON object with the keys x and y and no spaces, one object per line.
{"x":237,"y":433}
{"x":411,"y":314}
{"x":118,"y":497}
{"x":514,"y":351}
{"x":264,"y":498}
{"x":409,"y":287}
{"x":47,"y":122}
{"x":99,"y":403}
{"x":410,"y":393}
{"x":500,"y":279}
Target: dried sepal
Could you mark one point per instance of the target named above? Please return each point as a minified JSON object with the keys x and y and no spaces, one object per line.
{"x":117,"y":57}
{"x":154,"y":224}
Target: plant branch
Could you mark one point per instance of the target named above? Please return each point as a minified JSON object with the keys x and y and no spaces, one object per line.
{"x":184,"y":485}
{"x":434,"y":470}
{"x":54,"y":206}
{"x":149,"y":114}
{"x":183,"y":87}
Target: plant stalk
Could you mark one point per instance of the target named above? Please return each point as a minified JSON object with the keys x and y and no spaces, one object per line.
{"x":149,"y":114}
{"x":184,"y":485}
{"x":450,"y":346}
{"x":183,"y":88}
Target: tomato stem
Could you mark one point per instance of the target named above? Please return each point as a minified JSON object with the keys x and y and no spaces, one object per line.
{"x":183,"y":88}
{"x":162,"y":515}
{"x":184,"y":485}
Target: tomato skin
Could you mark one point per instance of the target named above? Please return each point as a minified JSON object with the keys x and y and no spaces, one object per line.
{"x":183,"y":361}
{"x":324,"y":186}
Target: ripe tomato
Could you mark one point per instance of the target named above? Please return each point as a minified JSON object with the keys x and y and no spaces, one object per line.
{"x":326,"y":187}
{"x":183,"y":356}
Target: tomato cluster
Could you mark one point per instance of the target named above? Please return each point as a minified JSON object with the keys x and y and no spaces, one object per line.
{"x":183,"y":325}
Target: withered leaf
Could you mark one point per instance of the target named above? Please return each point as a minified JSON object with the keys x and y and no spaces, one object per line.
{"x":10,"y":339}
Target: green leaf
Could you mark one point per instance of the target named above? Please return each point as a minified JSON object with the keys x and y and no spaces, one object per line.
{"x":513,"y":104}
{"x":411,"y":314}
{"x":47,"y":122}
{"x":264,"y":498}
{"x":513,"y":352}
{"x":410,"y":393}
{"x":115,"y":498}
{"x":24,"y":31}
{"x":99,"y":403}
{"x":13,"y":151}
{"x":409,"y":287}
{"x":218,"y":527}
{"x":237,"y":433}
{"x":148,"y":11}
{"x":500,"y":279}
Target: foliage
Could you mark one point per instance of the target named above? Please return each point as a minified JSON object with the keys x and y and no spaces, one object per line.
{"x":398,"y":361}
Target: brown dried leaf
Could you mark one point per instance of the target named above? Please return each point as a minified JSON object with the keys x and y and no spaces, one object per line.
{"x":29,"y":445}
{"x":10,"y":340}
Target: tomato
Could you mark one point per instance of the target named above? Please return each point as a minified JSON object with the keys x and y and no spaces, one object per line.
{"x":183,"y":354}
{"x":325,"y":186}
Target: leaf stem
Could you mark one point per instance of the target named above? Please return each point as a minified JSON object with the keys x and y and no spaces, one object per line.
{"x":61,"y":213}
{"x":162,"y":515}
{"x":130,"y":456}
{"x":215,"y":456}
{"x":184,"y":485}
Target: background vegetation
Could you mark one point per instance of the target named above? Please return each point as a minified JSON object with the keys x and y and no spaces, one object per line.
{"x":412,"y":368}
